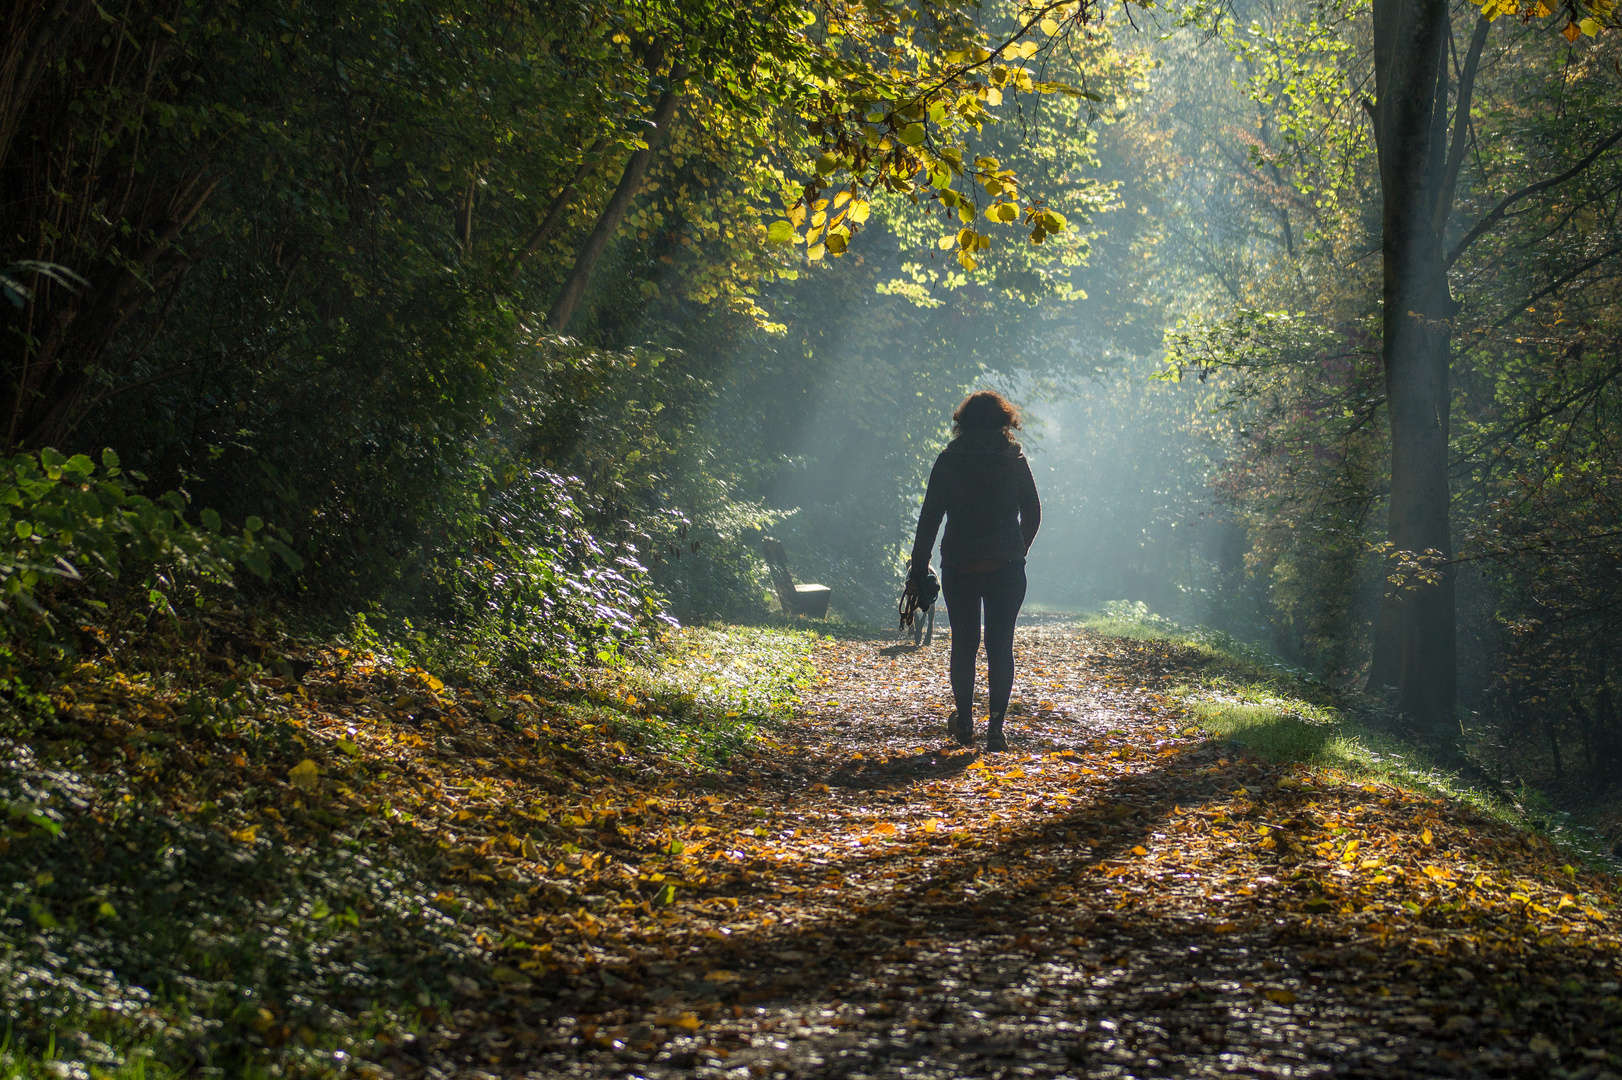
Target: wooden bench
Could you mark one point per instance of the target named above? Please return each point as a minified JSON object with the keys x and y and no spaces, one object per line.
{"x":808,"y":600}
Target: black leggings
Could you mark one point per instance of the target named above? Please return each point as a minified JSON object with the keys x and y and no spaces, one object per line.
{"x":1001,"y":592}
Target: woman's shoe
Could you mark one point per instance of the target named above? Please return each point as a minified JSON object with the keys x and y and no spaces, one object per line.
{"x":995,"y":742}
{"x":960,"y":728}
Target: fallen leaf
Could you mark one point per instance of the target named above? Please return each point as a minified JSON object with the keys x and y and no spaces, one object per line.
{"x":306,"y":775}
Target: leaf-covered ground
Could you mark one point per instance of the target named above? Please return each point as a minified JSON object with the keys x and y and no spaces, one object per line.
{"x":537,"y":887}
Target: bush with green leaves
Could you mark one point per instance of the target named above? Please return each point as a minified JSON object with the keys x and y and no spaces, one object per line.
{"x":66,"y":522}
{"x":535,"y":582}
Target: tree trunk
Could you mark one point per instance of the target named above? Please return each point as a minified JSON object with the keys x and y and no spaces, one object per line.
{"x":574,"y":286}
{"x":1415,"y":645}
{"x":554,"y":213}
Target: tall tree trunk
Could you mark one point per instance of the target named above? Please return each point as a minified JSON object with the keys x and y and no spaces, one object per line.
{"x":1415,"y":643}
{"x":574,"y":286}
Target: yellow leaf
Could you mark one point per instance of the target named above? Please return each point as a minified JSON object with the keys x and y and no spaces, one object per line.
{"x":1049,"y":27}
{"x":1350,"y":852}
{"x":816,"y":252}
{"x":1426,"y":838}
{"x":689,"y":1022}
{"x":1591,"y":27}
{"x":246,"y":836}
{"x":306,"y":774}
{"x":932,"y":825}
{"x":859,"y":210}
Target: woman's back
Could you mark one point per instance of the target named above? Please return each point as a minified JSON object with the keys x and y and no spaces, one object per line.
{"x":982,"y":485}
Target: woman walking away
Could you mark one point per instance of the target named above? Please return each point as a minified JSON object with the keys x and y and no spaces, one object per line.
{"x":982,"y":484}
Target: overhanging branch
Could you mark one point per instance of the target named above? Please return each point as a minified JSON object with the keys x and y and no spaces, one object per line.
{"x":1497,"y":213}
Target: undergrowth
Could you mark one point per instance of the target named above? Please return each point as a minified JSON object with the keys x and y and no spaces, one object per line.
{"x":229,"y":851}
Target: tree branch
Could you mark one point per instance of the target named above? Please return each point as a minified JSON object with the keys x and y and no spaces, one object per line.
{"x":1496,"y":213}
{"x":1461,"y":125}
{"x":574,"y":286}
{"x":1520,"y":309}
{"x":554,"y":214}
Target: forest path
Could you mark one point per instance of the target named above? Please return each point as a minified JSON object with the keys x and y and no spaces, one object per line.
{"x":1116,"y":896}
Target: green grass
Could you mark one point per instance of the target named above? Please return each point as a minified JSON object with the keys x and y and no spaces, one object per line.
{"x":1275,"y":710}
{"x":1283,"y":728}
{"x":91,"y":1059}
{"x":707,"y":693}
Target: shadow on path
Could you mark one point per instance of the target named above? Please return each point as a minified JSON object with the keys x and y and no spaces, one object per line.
{"x":1183,"y":917}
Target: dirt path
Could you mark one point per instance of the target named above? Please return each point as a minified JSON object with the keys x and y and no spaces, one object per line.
{"x":1113,"y":897}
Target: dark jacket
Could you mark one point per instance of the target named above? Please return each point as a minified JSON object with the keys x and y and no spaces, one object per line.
{"x":983,"y":486}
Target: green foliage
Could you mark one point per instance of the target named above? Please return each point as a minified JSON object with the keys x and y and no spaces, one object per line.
{"x":537,"y":584}
{"x":103,"y":947}
{"x":63,"y":522}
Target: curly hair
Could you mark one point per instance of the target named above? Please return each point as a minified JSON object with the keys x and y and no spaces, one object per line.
{"x":986,"y":409}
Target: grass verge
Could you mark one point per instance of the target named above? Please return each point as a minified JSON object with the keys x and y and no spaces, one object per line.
{"x":1268,"y":707}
